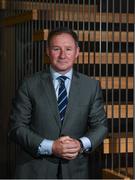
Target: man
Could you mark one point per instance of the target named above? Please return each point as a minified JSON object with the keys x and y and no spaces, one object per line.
{"x":58,"y":116}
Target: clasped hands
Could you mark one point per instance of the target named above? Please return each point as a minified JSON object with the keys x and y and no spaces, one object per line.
{"x":66,"y":147}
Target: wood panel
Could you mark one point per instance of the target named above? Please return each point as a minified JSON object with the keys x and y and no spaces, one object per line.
{"x":106,"y":58}
{"x":128,"y":171}
{"x":3,"y":4}
{"x":112,"y":174}
{"x":55,"y":7}
{"x":65,"y":12}
{"x":120,"y":111}
{"x":110,"y":17}
{"x":106,"y":36}
{"x":116,"y":82}
{"x":119,"y":145}
{"x":92,"y":36}
{"x":21,"y":18}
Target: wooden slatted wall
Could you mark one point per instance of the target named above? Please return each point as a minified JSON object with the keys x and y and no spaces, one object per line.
{"x":106,"y":37}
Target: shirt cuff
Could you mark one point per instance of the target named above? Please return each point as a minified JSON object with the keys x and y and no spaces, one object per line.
{"x":86,"y":143}
{"x":45,"y":147}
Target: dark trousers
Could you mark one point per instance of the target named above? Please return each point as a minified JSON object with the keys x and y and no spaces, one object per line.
{"x":59,"y":172}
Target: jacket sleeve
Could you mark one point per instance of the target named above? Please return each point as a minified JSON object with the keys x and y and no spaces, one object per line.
{"x":21,"y":131}
{"x":97,"y":119}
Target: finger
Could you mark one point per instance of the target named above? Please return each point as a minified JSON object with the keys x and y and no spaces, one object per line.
{"x":70,"y":145}
{"x":70,"y":156}
{"x":72,"y":142}
{"x":70,"y":151}
{"x":65,"y":138}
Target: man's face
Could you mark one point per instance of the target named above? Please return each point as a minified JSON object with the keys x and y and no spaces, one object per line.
{"x":62,"y":52}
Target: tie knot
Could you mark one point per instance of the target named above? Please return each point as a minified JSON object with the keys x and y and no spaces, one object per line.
{"x":62,"y":78}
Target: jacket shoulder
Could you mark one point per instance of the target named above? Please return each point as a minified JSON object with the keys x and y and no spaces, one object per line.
{"x":33,"y":80}
{"x":87,"y":79}
{"x":35,"y":77}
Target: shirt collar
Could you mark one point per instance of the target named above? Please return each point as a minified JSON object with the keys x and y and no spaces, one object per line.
{"x":55,"y":74}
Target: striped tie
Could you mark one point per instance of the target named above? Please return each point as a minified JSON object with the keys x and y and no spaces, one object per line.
{"x":62,"y":97}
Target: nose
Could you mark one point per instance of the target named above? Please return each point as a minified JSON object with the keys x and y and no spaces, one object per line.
{"x":62,"y":54}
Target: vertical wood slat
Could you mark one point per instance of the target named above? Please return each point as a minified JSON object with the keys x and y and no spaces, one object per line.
{"x":100,"y":42}
{"x":126,"y":158}
{"x":83,"y":34}
{"x":112,"y":133}
{"x":106,"y":160}
{"x":89,"y":17}
{"x":119,"y":101}
{"x":134,"y":104}
{"x":94,"y":36}
{"x":78,"y":28}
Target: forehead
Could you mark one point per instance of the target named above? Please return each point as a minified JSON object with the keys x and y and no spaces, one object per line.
{"x":62,"y":38}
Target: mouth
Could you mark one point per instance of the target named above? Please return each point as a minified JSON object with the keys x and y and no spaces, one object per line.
{"x":62,"y":62}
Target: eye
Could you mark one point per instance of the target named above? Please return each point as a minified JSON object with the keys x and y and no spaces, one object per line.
{"x":55,"y":48}
{"x":69,"y":49}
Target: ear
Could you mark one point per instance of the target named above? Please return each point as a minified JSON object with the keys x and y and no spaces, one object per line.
{"x":47,"y":51}
{"x":77,"y":51}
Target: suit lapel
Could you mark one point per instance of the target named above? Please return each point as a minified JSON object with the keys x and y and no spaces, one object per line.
{"x":50,"y":95}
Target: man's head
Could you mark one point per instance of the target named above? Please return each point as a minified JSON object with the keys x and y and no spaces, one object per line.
{"x":60,"y":31}
{"x":62,"y":49}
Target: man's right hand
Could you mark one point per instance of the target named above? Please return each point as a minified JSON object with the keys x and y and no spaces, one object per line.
{"x":66,"y":147}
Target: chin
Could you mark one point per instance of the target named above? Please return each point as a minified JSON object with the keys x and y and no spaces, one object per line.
{"x":63,"y":68}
